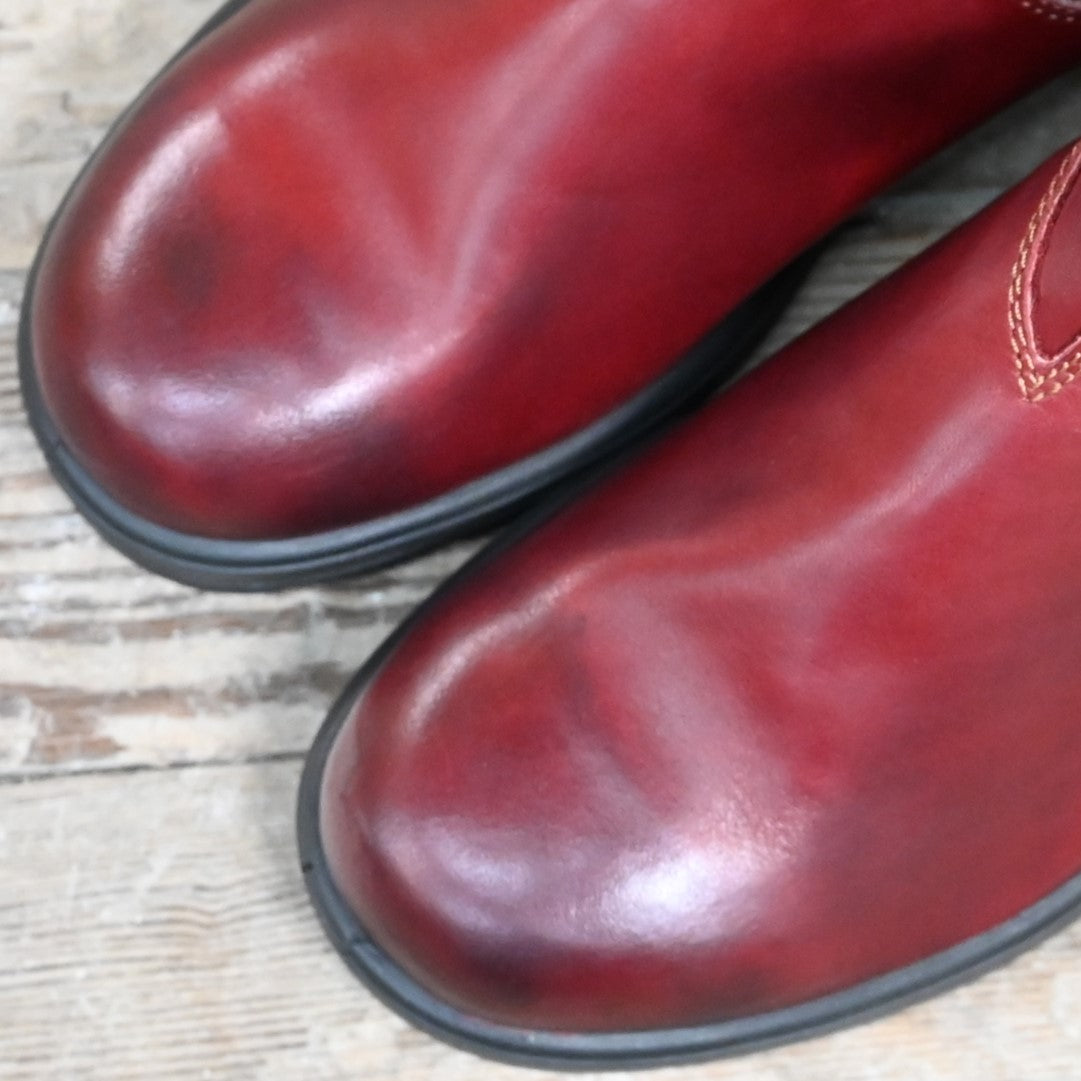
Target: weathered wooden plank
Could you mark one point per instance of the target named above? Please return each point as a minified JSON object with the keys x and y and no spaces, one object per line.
{"x":130,"y":670}
{"x":65,"y":72}
{"x":154,"y":928}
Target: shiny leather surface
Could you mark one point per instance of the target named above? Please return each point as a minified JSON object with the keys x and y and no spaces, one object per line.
{"x":787,"y":704}
{"x":348,"y":255}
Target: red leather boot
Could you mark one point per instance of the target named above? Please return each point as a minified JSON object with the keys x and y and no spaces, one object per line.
{"x":771,"y":731}
{"x":355,"y":277}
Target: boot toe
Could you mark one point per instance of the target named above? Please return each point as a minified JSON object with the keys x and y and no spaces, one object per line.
{"x":541,"y":851}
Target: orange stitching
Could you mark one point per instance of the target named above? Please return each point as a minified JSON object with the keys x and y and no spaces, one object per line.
{"x":1062,"y":11}
{"x":1035,"y":380}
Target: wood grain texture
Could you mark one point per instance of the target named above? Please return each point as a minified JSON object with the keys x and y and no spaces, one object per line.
{"x":152,"y":922}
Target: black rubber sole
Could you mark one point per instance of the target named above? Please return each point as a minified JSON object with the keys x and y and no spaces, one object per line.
{"x":541,"y":1049}
{"x":478,"y":506}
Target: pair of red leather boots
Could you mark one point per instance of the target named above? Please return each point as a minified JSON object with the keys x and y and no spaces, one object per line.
{"x":770,"y":727}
